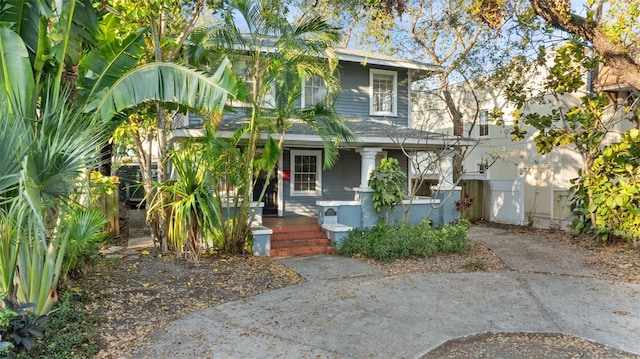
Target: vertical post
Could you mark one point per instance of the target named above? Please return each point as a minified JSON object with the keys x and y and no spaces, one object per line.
{"x":280,"y":186}
{"x":368,"y":164}
{"x":446,"y":190}
{"x":369,"y":217}
{"x":446,"y":170}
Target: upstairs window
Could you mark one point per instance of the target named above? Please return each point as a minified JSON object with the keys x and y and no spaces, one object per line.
{"x":384,"y":93}
{"x":483,"y":124}
{"x":314,"y":91}
{"x":244,"y":71}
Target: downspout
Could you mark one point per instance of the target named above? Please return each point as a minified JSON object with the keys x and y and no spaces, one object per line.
{"x":410,"y":125}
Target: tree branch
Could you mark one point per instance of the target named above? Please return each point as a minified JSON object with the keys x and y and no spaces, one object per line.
{"x":614,"y":55}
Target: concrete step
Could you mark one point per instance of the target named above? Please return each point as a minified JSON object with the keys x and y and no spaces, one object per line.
{"x":298,"y":243}
{"x":288,"y":236}
{"x":296,"y":229}
{"x":287,"y":252}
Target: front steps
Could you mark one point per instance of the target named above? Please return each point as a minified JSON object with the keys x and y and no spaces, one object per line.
{"x":299,"y":240}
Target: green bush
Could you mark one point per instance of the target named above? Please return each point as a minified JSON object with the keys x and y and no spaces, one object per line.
{"x":70,"y":332}
{"x":614,"y":186}
{"x":386,"y":243}
{"x":19,"y":328}
{"x":85,"y":235}
{"x":388,"y":182}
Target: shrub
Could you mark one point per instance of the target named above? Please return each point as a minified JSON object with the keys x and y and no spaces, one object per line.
{"x":19,"y":328}
{"x":614,"y":184}
{"x":84,"y":227}
{"x":385,"y":243}
{"x":71,"y":332}
{"x":388,"y":182}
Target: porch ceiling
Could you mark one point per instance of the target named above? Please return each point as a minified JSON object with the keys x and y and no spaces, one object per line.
{"x":369,"y":133}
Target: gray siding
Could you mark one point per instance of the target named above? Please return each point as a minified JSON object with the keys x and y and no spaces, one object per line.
{"x":194,"y":120}
{"x":354,"y":101}
{"x":337,"y":183}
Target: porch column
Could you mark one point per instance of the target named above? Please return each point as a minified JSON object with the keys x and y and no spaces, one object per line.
{"x":445,"y":182}
{"x":446,"y":190}
{"x":368,"y":164}
{"x":280,"y":186}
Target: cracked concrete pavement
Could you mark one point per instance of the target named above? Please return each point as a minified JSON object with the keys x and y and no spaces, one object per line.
{"x":347,"y":309}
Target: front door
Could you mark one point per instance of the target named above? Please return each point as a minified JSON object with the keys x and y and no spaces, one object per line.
{"x":270,"y":198}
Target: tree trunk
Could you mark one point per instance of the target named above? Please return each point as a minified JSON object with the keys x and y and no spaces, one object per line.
{"x":457,"y":120}
{"x":105,"y":159}
{"x":615,"y":56}
{"x":588,"y":161}
{"x":144,"y":159}
{"x":162,"y":174}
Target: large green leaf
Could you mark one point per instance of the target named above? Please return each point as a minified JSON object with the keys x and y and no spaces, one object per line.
{"x":166,"y":82}
{"x":75,"y":27}
{"x":109,"y":62}
{"x":23,"y":17}
{"x":16,"y":75}
{"x":64,"y":145}
{"x":13,"y":137}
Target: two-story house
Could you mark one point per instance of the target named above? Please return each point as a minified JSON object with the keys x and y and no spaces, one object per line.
{"x":518,"y":184}
{"x":375,"y":103}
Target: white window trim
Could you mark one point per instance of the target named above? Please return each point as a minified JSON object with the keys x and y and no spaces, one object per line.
{"x":394,"y":104}
{"x":270,"y":96}
{"x":485,"y":173}
{"x":480,"y":123}
{"x":318,"y":191}
{"x":304,"y":91}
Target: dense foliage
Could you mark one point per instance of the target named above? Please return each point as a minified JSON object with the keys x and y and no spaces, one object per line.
{"x":270,"y":88}
{"x":388,"y":182}
{"x":191,"y":206}
{"x":385,"y":243}
{"x":43,"y":200}
{"x":19,"y":328}
{"x":70,"y":332}
{"x":614,"y":187}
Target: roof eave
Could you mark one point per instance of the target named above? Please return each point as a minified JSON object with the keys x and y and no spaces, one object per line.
{"x":305,"y":140}
{"x":400,"y":63}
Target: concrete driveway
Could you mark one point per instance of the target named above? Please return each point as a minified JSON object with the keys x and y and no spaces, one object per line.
{"x":347,"y":309}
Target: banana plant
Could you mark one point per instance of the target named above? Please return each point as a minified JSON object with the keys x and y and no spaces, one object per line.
{"x":54,"y":124}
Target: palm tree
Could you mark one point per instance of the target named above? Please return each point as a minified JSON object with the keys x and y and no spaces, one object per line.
{"x":41,"y":212}
{"x":42,"y":46}
{"x":278,"y":56}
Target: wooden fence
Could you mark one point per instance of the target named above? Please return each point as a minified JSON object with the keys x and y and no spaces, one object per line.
{"x":110,"y":206}
{"x":475,"y":189}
